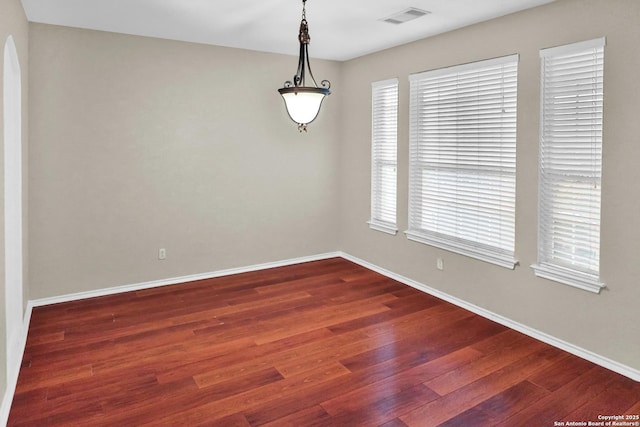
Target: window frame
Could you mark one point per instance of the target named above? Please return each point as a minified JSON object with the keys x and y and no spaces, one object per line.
{"x":471,"y":246}
{"x":557,"y":184}
{"x":384,"y":155}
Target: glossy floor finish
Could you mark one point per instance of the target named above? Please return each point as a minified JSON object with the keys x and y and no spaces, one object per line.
{"x":325,"y":343}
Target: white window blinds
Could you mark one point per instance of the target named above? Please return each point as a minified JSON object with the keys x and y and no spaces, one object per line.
{"x":384,"y":130}
{"x":463,"y":159}
{"x":570,"y":164}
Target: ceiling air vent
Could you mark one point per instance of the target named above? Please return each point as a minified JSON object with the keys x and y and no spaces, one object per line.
{"x":405,"y":16}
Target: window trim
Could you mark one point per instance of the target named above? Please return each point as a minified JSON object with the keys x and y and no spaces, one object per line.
{"x":495,"y":255}
{"x":575,"y":277}
{"x":377,"y":223}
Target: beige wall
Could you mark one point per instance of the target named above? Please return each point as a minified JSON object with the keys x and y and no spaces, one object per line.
{"x":608,"y":323}
{"x":12,"y":22}
{"x":141,"y":143}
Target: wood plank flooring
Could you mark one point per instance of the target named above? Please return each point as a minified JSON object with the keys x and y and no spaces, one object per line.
{"x":325,"y":343}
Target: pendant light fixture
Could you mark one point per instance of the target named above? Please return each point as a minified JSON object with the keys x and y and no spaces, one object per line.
{"x":303,"y":102}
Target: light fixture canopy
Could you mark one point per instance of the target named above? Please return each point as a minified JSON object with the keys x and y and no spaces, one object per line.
{"x":303,"y":102}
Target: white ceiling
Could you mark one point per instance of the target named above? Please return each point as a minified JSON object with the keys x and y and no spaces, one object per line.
{"x":340,"y":29}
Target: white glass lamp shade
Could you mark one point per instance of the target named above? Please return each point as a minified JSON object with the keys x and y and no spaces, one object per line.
{"x":303,"y":103}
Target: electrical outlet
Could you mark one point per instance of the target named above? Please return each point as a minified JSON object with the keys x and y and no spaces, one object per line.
{"x":440,"y":264}
{"x":162,"y":253}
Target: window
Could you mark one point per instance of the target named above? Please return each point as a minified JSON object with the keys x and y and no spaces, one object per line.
{"x":570,"y":164}
{"x":384,"y":137}
{"x":463,"y":159}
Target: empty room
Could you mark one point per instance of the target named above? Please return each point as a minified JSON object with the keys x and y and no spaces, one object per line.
{"x":320,"y":213}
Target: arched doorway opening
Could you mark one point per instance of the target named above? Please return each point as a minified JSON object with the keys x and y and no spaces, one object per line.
{"x":12,"y":103}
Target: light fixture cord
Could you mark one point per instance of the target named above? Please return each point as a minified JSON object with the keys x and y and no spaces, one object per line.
{"x":303,"y":58}
{"x":304,"y":38}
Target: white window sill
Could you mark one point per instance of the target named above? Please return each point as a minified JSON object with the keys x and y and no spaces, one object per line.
{"x":385,"y":228}
{"x":566,"y":276}
{"x":494,"y":257}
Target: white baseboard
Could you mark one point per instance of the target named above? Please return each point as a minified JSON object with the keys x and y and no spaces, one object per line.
{"x":176,"y":280}
{"x":620,"y":368}
{"x":13,"y":371}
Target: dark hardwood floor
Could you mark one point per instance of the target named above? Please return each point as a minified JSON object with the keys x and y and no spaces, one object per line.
{"x":324,"y":343}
